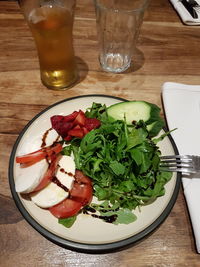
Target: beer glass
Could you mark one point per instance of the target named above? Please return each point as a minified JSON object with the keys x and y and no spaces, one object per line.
{"x":51,"y":24}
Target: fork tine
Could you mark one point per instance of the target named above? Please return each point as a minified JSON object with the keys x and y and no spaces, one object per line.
{"x":177,"y":157}
{"x":176,"y":165}
{"x":168,"y":161}
{"x":180,"y":163}
{"x":197,"y":8}
{"x":185,"y":170}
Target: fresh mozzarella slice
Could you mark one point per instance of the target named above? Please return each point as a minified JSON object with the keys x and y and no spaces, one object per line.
{"x":49,"y":196}
{"x":35,"y":142}
{"x":66,"y":165}
{"x":51,"y":137}
{"x":28,"y":178}
{"x":53,"y":194}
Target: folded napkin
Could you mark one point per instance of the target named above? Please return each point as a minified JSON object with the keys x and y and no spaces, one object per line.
{"x":184,"y":14}
{"x":182,"y":109}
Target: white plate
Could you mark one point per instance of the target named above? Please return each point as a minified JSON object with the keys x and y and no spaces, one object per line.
{"x":88,"y":234}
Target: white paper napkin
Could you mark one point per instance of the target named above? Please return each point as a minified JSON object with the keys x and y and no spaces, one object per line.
{"x":184,"y":14}
{"x":182,"y":109}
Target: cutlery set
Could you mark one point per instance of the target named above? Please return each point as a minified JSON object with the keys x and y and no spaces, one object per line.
{"x":192,"y":7}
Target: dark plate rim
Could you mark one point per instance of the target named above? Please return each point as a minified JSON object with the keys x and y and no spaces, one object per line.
{"x":83,"y":247}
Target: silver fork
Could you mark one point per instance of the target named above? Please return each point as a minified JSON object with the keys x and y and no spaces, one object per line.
{"x":195,"y":5}
{"x":197,"y":9}
{"x":177,"y":163}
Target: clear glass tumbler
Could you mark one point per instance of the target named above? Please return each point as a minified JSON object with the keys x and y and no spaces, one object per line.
{"x":51,"y":24}
{"x":118,"y":27}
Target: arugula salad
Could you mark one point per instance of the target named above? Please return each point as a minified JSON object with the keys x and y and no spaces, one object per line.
{"x":116,"y":160}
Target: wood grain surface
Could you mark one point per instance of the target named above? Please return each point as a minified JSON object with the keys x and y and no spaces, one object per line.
{"x":167,"y":51}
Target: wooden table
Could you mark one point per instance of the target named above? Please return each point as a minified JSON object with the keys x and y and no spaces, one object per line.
{"x":169,"y":51}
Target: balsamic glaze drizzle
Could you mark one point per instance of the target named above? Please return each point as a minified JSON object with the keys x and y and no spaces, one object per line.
{"x":44,"y":137}
{"x":91,"y":211}
{"x":58,"y":183}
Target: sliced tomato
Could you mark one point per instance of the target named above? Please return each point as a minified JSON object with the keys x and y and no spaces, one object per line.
{"x":31,"y":158}
{"x":82,"y":189}
{"x":81,"y":193}
{"x":66,"y":208}
{"x":49,"y":174}
{"x":81,"y":178}
{"x":53,"y":149}
{"x":45,"y":152}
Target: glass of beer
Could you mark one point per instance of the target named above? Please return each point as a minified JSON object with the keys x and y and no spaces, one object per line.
{"x":51,"y":24}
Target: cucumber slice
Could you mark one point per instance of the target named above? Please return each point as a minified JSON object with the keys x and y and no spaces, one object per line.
{"x":135,"y":111}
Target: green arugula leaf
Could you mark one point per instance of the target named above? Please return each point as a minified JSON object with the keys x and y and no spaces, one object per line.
{"x":67,"y":150}
{"x":67,"y":222}
{"x":98,"y":111}
{"x":125,"y":216}
{"x":117,"y":167}
{"x":136,"y":137}
{"x":156,"y":140}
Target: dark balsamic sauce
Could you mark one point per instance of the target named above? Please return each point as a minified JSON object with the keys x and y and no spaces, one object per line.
{"x":91,"y":211}
{"x":44,"y":138}
{"x":69,"y":173}
{"x":58,"y":183}
{"x":103,"y":210}
{"x":108,"y":219}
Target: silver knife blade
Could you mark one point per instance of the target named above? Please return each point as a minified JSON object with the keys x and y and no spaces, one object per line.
{"x":189,"y":8}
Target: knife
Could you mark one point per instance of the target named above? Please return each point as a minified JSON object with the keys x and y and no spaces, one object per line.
{"x":189,"y":8}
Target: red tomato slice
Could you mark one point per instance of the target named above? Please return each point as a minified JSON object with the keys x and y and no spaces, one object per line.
{"x":66,"y":208}
{"x":81,"y":193}
{"x":45,"y":152}
{"x":49,"y":174}
{"x":82,"y":178}
{"x":53,"y":150}
{"x":31,"y":157}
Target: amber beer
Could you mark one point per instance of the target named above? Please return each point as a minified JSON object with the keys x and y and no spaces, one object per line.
{"x":52,"y":30}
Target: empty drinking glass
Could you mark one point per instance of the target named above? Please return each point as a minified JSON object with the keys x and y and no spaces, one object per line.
{"x":118,"y":26}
